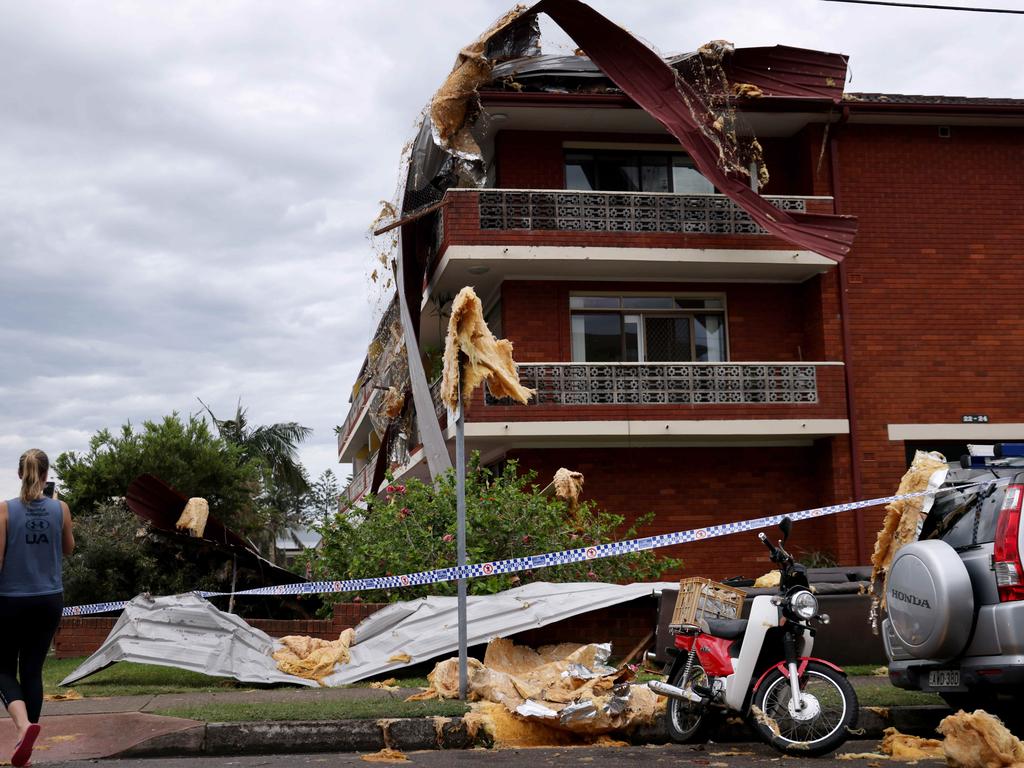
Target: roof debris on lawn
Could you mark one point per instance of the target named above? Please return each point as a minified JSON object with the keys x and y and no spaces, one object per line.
{"x":313,"y":658}
{"x":532,"y":698}
{"x":903,"y":521}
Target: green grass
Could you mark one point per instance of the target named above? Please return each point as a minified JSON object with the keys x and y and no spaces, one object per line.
{"x":316,"y":710}
{"x":127,"y":679}
{"x":890,"y":696}
{"x":862,"y":670}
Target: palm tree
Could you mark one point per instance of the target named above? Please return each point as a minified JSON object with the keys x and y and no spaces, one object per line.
{"x":275,"y":446}
{"x":285,"y":485}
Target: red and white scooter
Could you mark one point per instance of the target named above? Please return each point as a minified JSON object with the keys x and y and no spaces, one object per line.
{"x":761,"y":667}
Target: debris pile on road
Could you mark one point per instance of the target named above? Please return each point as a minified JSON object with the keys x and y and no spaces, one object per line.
{"x":979,"y":740}
{"x":972,"y":740}
{"x":530,"y":697}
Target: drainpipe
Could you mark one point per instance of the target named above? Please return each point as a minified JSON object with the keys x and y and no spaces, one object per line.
{"x":844,"y":313}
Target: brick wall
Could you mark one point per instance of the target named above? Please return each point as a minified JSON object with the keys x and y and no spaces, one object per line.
{"x":936,"y":275}
{"x":697,"y":487}
{"x":81,"y":636}
{"x":765,"y":322}
{"x":623,"y":625}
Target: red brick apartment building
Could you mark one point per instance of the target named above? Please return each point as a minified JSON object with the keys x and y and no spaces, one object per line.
{"x":690,"y":363}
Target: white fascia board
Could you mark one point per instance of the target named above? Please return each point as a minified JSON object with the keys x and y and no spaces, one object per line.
{"x":559,"y":253}
{"x":955,"y":431}
{"x":554,"y":262}
{"x":657,"y":428}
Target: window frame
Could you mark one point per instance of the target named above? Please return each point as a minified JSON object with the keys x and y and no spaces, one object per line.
{"x":641,"y":313}
{"x":640,"y":152}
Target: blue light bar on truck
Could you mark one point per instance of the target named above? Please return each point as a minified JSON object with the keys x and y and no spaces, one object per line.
{"x":998,"y":454}
{"x":1007,"y":450}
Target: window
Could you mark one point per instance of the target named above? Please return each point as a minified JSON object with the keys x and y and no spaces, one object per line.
{"x":628,"y":329}
{"x":631,"y":171}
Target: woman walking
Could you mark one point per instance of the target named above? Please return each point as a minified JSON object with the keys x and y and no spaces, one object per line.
{"x":35,"y":532}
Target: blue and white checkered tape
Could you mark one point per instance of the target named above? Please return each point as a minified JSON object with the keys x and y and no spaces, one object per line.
{"x":535,"y":562}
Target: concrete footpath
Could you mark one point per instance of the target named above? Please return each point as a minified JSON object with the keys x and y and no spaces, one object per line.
{"x":125,"y":726}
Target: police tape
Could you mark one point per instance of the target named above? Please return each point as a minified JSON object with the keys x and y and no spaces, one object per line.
{"x":536,"y":562}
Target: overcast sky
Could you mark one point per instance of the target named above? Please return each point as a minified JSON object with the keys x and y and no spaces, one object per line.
{"x":186,"y":187}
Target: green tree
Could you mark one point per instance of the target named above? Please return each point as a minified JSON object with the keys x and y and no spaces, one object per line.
{"x":323,"y":496}
{"x":182,"y":452}
{"x":411,"y":527}
{"x":283,"y":480}
{"x":275,"y":446}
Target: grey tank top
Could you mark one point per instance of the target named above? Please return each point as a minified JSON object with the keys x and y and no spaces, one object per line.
{"x":32,"y":560}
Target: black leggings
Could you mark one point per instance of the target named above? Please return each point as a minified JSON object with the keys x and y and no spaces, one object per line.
{"x":27,"y":626}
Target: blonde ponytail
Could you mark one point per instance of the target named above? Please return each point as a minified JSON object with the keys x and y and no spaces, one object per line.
{"x":32,"y":468}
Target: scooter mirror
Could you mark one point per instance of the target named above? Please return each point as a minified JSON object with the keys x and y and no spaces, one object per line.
{"x":787,"y":526}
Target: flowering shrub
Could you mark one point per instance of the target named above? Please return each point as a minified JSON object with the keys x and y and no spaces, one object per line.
{"x":411,"y":527}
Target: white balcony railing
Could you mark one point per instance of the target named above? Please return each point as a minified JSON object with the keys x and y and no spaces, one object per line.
{"x":668,"y":383}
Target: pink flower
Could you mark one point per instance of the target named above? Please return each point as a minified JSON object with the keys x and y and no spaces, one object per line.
{"x":591,"y":575}
{"x":357,"y":599}
{"x":526,"y":538}
{"x":400,"y":489}
{"x":390,"y":489}
{"x":405,"y":512}
{"x":447,"y":538}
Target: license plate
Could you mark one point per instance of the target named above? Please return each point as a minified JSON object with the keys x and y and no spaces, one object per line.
{"x":944,"y":678}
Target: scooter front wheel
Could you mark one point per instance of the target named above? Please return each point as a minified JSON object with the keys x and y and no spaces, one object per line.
{"x":688,"y":722}
{"x":821,"y":725}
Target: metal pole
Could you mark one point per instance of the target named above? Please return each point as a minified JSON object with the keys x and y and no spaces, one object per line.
{"x":460,"y":506}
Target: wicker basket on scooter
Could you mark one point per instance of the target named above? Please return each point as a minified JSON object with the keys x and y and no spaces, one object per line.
{"x":705,"y":599}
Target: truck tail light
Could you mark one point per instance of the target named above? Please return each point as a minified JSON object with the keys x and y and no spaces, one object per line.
{"x":1006,"y":560}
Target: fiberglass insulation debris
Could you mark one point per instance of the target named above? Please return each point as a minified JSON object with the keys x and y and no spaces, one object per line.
{"x":487,"y":359}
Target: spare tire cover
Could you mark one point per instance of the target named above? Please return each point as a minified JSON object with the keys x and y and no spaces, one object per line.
{"x":929,"y":599}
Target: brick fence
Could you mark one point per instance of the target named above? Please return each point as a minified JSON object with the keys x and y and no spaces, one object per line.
{"x":81,"y":636}
{"x":624,"y":625}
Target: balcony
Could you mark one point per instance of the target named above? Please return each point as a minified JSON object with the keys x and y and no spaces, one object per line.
{"x":572,"y":211}
{"x":356,"y":413}
{"x":486,"y":236}
{"x":670,"y":383}
{"x":610,"y":404}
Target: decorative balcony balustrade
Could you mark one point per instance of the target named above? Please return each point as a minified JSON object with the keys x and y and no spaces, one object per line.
{"x":668,"y":383}
{"x":621,"y":212}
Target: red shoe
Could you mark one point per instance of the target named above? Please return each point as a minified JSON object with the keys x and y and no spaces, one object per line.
{"x":23,"y":749}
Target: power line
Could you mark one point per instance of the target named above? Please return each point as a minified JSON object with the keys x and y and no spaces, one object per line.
{"x":927,"y":7}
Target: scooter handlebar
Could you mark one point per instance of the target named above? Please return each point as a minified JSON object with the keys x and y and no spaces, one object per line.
{"x":771,"y":547}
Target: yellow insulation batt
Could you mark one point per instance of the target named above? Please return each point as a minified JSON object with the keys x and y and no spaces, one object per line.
{"x":972,"y":740}
{"x":979,"y":740}
{"x":450,"y":106}
{"x":311,"y":657}
{"x":568,"y":487}
{"x":193,"y":517}
{"x":902,"y":520}
{"x":487,"y":359}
